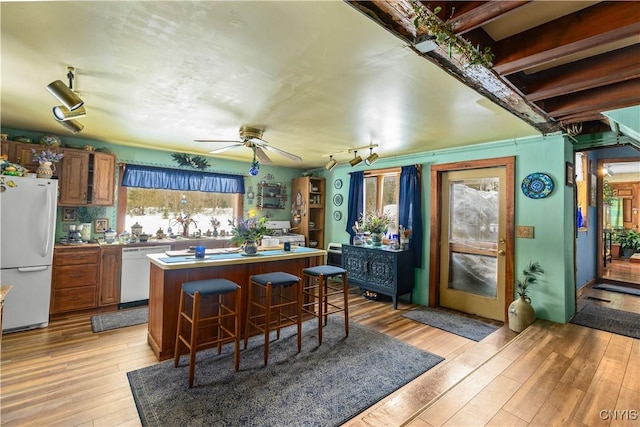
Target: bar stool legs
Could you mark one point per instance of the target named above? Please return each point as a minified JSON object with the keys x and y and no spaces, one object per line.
{"x":273,"y":302}
{"x":317,"y":295}
{"x":221,"y":315}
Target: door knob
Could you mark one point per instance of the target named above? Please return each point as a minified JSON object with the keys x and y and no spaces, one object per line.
{"x":501,"y":252}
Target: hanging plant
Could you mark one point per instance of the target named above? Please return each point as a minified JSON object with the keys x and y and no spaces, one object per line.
{"x":197,"y":162}
{"x":446,"y":36}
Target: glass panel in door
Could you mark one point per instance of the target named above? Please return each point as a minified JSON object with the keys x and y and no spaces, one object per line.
{"x":472,"y":278}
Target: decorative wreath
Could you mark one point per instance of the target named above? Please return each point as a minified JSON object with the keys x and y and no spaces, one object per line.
{"x":197,"y":162}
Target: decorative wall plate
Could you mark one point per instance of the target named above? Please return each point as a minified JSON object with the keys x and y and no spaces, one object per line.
{"x":337,"y":199}
{"x":337,"y":215}
{"x":337,"y":184}
{"x":537,"y":185}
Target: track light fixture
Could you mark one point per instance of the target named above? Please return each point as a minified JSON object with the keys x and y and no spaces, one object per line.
{"x":65,"y":94}
{"x":356,"y":159}
{"x":62,"y":113}
{"x":73,"y":125}
{"x":332,"y":164}
{"x":372,"y":157}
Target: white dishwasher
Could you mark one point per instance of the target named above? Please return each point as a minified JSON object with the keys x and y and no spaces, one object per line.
{"x":134,"y":279}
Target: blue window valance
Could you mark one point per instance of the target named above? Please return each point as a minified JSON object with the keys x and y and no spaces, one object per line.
{"x":176,"y":179}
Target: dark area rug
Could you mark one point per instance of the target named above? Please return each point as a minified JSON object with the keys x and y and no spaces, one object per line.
{"x":608,"y":319}
{"x":320,"y":386}
{"x":617,"y":288}
{"x":120,"y":319}
{"x":452,"y":322}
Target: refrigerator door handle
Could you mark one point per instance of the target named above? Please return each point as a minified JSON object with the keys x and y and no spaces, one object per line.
{"x":30,"y":269}
{"x":48,"y":231}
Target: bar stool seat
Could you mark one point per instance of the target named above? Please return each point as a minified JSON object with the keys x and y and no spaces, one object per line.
{"x":317,"y":293}
{"x":273,"y":302}
{"x":218,"y":315}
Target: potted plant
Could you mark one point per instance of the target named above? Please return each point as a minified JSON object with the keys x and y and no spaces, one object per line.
{"x":629,"y":243}
{"x":376,"y":224}
{"x":615,"y":245}
{"x":521,"y":312}
{"x":86,"y":216}
{"x":247,"y":232}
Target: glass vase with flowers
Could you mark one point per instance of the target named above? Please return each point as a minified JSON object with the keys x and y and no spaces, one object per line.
{"x":376,"y":224}
{"x":185,"y":220}
{"x":247,"y":231}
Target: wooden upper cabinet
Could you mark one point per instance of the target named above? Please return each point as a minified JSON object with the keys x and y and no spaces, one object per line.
{"x":86,"y":178}
{"x":20,"y":153}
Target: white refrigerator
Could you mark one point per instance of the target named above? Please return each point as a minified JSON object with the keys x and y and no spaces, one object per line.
{"x":27,"y":232}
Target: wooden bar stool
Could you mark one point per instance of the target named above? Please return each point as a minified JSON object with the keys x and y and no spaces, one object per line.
{"x":273,"y":302}
{"x":317,"y":293}
{"x":220,"y":311}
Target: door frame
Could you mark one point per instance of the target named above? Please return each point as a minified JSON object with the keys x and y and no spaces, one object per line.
{"x":436,"y":217}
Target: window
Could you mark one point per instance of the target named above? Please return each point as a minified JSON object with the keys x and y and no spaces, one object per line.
{"x":157,"y":208}
{"x":381,"y":194}
{"x":161,"y":198}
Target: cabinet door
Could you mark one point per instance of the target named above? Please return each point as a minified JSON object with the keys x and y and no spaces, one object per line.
{"x":354,"y":260}
{"x":109,"y":282}
{"x":73,"y":177}
{"x":24,"y":156}
{"x":382,"y":270}
{"x":103,"y":179}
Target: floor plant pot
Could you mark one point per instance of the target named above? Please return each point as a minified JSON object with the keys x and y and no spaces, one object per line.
{"x":521,"y":314}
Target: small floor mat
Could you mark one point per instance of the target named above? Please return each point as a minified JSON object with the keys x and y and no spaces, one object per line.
{"x":454,"y":323}
{"x":618,"y":288}
{"x":608,"y":319}
{"x":120,"y":319}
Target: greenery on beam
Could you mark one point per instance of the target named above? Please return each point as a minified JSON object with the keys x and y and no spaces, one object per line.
{"x":197,"y":162}
{"x":446,"y":36}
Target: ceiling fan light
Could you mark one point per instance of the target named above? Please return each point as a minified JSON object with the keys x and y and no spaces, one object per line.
{"x":332,"y":164}
{"x":62,"y":113}
{"x":72,"y":125}
{"x":65,"y":95}
{"x":373,"y":157}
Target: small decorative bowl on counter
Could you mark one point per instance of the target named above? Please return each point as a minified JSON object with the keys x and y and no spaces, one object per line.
{"x":313,"y":243}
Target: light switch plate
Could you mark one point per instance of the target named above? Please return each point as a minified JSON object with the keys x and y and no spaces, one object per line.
{"x":524,"y":231}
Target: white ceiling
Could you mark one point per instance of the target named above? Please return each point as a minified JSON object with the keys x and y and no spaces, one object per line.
{"x":318,"y":76}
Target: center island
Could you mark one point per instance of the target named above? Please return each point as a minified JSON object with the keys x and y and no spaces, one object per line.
{"x":168,"y":273}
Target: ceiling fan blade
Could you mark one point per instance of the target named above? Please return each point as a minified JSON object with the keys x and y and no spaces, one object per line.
{"x":283,"y":153}
{"x":217,"y":140}
{"x":260,"y":154}
{"x":221,"y":149}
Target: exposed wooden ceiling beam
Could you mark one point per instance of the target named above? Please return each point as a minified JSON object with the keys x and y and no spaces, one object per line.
{"x":612,"y":97}
{"x":567,"y":35}
{"x":467,"y":16}
{"x":613,"y":67}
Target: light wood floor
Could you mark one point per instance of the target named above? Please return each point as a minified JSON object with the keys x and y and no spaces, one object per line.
{"x":622,"y":270}
{"x":65,"y":375}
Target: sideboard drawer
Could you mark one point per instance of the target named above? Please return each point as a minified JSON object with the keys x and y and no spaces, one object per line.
{"x":74,"y":299}
{"x":70,"y":276}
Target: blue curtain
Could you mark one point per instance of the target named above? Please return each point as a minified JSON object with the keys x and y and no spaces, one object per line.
{"x":176,"y":179}
{"x":410,"y":209}
{"x":355,"y":202}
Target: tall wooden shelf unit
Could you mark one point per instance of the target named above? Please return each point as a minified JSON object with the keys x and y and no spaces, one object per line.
{"x":308,"y":208}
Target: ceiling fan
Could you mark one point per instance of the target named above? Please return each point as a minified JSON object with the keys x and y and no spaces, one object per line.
{"x":251,"y":137}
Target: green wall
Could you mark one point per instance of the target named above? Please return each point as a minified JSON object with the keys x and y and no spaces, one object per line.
{"x":553,"y":297}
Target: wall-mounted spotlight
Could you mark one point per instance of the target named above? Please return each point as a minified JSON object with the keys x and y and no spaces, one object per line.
{"x":65,"y":94}
{"x":73,"y":125}
{"x":63,"y":113}
{"x":372,"y":157}
{"x":356,"y":159}
{"x":332,"y":164}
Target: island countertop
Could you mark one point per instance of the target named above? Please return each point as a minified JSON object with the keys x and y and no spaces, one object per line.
{"x":168,"y":273}
{"x":230,"y":256}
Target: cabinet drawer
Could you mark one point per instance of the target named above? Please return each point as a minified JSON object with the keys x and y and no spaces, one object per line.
{"x":74,"y":299}
{"x":70,"y":276}
{"x":73,"y":257}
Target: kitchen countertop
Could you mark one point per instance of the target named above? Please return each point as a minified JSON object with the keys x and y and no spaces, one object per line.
{"x":225,"y":257}
{"x":4,"y":290}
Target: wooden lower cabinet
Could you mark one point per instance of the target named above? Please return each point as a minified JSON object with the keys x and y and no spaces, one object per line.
{"x":110,"y":267}
{"x":74,"y":282}
{"x":386,"y":272}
